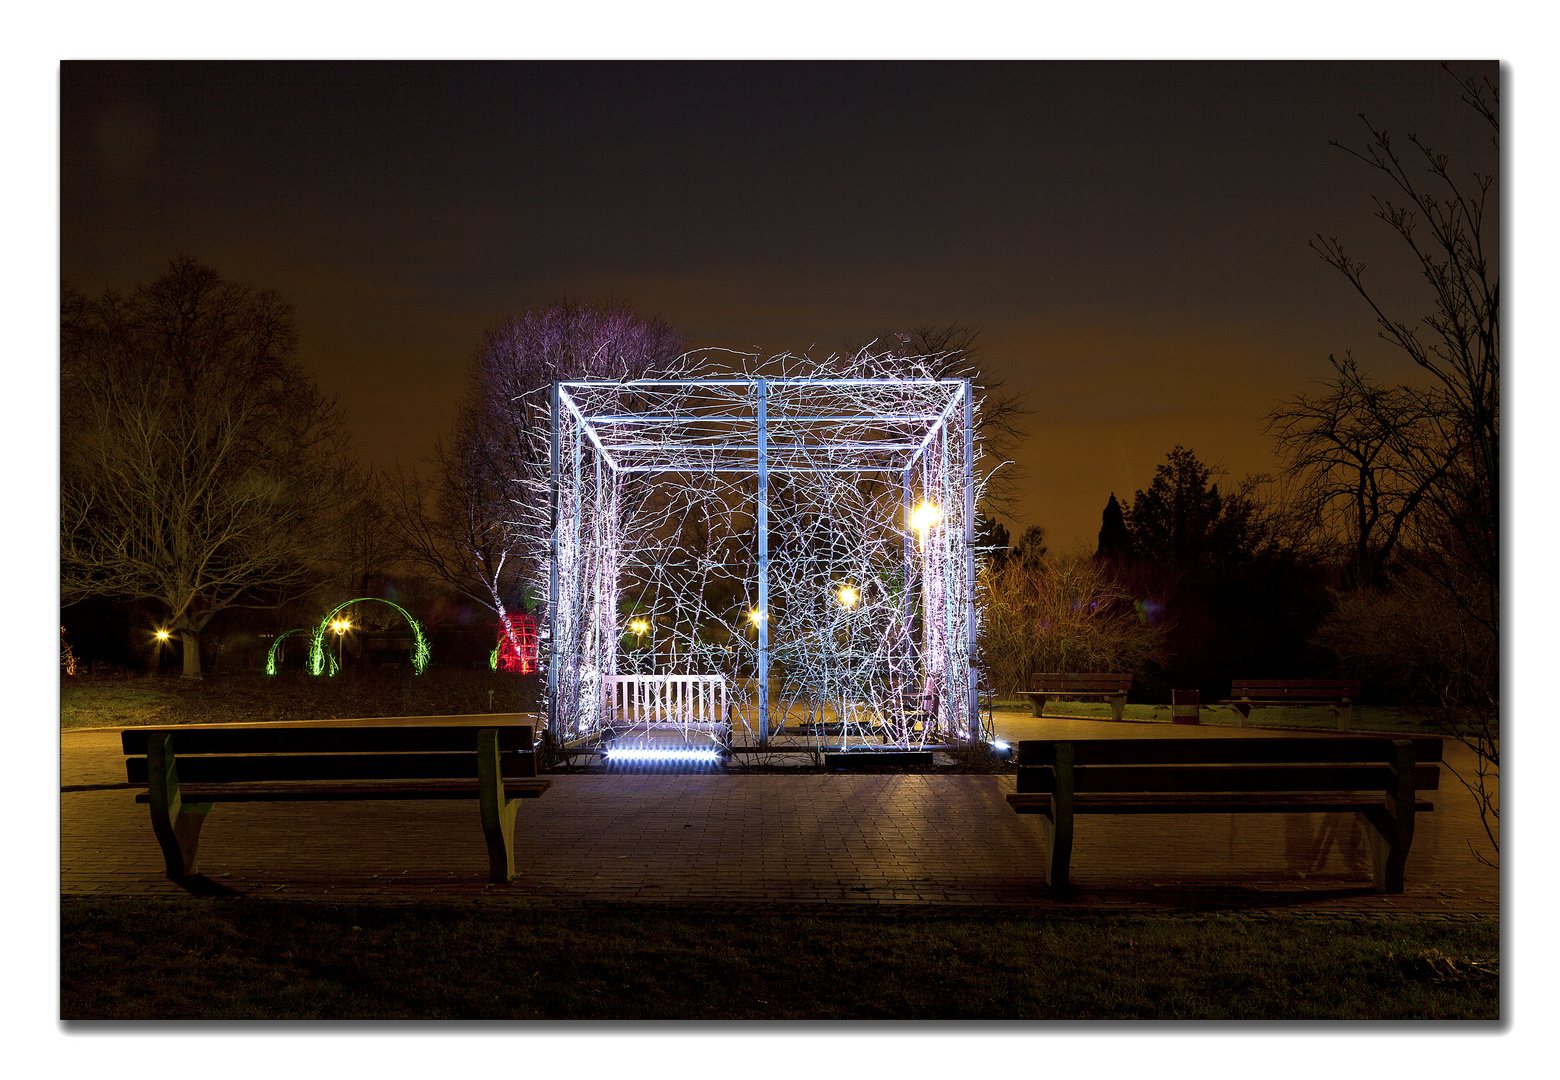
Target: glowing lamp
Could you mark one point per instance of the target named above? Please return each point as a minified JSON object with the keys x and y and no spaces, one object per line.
{"x":639,"y":626}
{"x":923,"y":518}
{"x":162,"y":635}
{"x":849,"y":597}
{"x":755,"y":616}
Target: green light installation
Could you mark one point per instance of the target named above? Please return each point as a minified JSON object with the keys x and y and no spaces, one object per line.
{"x":319,"y":655}
{"x":270,"y":657}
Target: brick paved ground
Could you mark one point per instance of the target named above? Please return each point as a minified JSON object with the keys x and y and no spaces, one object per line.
{"x":807,"y":839}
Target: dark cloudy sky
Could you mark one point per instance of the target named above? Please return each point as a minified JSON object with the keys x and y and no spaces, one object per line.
{"x":1130,"y":237}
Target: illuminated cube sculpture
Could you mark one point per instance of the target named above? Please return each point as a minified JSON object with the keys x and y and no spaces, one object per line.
{"x":807,"y":539}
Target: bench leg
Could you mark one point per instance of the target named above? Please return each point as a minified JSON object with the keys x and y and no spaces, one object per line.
{"x":1243,"y":710}
{"x":1390,"y":828}
{"x":498,"y":811}
{"x":1387,"y":856}
{"x":1118,"y":707}
{"x":175,"y":823}
{"x":498,"y":829}
{"x":1344,"y":711}
{"x":1037,"y":702}
{"x":1058,"y":825}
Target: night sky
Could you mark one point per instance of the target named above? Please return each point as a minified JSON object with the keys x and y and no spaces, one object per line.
{"x":1130,"y":237}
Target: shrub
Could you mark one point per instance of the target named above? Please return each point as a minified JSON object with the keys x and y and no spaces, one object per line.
{"x":1062,"y":613}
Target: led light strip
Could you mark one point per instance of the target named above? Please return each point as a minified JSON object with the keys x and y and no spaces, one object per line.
{"x":653,"y":753}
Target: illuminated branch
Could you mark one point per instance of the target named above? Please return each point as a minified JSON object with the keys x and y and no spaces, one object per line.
{"x":865,"y":466}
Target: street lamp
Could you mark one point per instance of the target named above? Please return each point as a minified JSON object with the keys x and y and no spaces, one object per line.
{"x":923,"y":518}
{"x":848,"y":596}
{"x":341,"y":626}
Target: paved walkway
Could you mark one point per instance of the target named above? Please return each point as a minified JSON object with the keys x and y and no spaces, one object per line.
{"x":806,"y":839}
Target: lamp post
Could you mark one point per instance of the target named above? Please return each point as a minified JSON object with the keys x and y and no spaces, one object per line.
{"x":341,"y":626}
{"x":639,"y":627}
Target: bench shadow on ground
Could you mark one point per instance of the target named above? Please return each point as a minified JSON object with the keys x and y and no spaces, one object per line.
{"x":1210,"y":898}
{"x":201,"y":885}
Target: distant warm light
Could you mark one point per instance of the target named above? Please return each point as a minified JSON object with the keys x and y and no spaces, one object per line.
{"x":639,"y":626}
{"x":341,"y":626}
{"x":656,"y":753}
{"x":755,"y":616}
{"x":162,"y":635}
{"x":849,"y":597}
{"x":923,"y":518}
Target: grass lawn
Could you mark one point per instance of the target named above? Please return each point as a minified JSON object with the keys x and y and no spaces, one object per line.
{"x":1366,"y":718}
{"x":131,"y":700}
{"x":273,"y":959}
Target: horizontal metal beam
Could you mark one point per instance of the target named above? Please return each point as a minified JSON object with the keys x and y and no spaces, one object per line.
{"x":820,"y":448}
{"x":792,"y":381}
{"x":896,"y":468}
{"x":699,"y":418}
{"x":947,"y":413}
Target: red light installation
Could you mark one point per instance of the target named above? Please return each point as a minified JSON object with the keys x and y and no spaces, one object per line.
{"x":517,"y":649}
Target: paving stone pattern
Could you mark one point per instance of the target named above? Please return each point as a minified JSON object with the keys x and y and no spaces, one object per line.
{"x":808,"y":839}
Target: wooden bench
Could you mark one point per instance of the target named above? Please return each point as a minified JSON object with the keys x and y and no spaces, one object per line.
{"x":1376,"y":778}
{"x":1113,"y":688}
{"x":1338,"y":695}
{"x":187,"y":770}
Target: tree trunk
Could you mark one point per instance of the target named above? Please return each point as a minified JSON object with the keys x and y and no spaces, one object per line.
{"x":190,"y":640}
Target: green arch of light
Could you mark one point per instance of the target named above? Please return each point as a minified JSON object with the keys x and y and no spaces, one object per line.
{"x":319,"y":655}
{"x":270,"y":657}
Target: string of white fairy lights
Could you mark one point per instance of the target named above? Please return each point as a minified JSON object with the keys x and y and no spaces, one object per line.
{"x":805,"y":531}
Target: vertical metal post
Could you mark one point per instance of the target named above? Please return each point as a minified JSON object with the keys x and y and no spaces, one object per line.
{"x":552,"y":584}
{"x":579,"y":583}
{"x":909,"y":614}
{"x":970,"y":643}
{"x":948,"y":571}
{"x":763,"y":562}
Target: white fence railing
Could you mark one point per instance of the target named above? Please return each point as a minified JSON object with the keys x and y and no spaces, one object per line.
{"x":694,"y":702}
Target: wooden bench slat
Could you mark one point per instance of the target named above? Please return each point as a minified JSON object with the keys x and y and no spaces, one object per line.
{"x":1255,"y":775}
{"x":238,"y":769}
{"x":1032,"y":803}
{"x":1301,"y":686}
{"x":1285,"y":699}
{"x":188,"y":770}
{"x":303,"y":791}
{"x":1113,"y":686}
{"x":1219,"y":751}
{"x":321,"y":740}
{"x":1142,"y":779}
{"x":1063,"y":683}
{"x":1339,"y":694}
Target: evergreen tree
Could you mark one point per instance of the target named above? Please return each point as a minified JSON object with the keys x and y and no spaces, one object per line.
{"x":1184,"y":523}
{"x":1115,"y":539}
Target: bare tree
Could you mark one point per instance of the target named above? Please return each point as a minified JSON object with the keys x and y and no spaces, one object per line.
{"x":953,"y":351}
{"x":1457,"y":344}
{"x":1344,"y":461}
{"x":1455,"y":540}
{"x":200,"y":467}
{"x":476,"y":523}
{"x":367,"y":540}
{"x":1061,"y":613}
